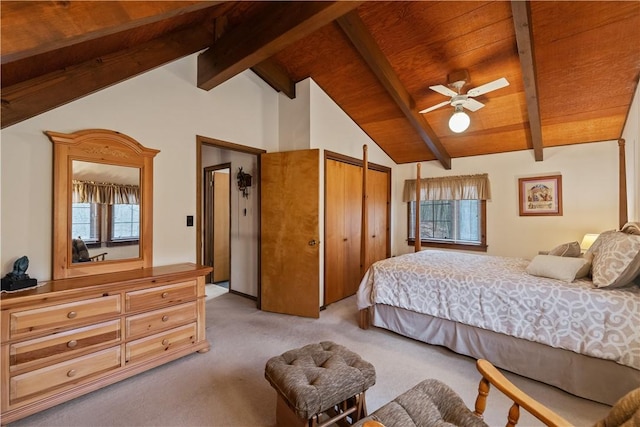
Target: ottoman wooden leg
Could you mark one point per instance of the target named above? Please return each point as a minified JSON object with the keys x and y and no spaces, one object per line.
{"x":362,"y":407}
{"x":285,"y":417}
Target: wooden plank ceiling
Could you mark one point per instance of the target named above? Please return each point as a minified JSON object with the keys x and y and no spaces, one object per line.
{"x":572,"y":67}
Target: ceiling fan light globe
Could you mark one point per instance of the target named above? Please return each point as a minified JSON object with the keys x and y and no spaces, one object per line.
{"x":459,"y":122}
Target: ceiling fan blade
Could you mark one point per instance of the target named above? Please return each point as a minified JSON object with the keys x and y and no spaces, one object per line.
{"x":472,"y":105}
{"x":488,"y":87}
{"x":443,"y":90}
{"x":442,"y":104}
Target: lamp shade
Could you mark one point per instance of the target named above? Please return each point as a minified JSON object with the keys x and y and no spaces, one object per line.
{"x":459,"y":121}
{"x":587,"y":241}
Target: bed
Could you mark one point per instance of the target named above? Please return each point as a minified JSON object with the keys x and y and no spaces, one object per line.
{"x":582,"y":339}
{"x":581,"y":334}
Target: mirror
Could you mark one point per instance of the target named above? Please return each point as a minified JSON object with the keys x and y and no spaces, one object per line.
{"x":105,"y":212}
{"x":102,"y":209}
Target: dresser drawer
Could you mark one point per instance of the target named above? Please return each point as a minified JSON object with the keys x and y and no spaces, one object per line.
{"x":26,"y":353}
{"x":55,"y":376}
{"x":155,"y":321}
{"x":156,"y":345}
{"x":161,"y":296}
{"x":60,"y":316}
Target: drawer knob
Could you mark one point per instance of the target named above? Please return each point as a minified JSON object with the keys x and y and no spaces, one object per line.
{"x":72,"y":314}
{"x":165,"y":318}
{"x":71,"y":373}
{"x":165,"y":294}
{"x":72,"y":343}
{"x":165,"y":342}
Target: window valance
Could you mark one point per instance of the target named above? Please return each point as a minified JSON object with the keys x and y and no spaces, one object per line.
{"x":462,"y":187}
{"x":105,"y":193}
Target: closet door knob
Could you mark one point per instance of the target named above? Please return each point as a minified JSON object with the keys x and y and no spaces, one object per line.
{"x":312,"y":242}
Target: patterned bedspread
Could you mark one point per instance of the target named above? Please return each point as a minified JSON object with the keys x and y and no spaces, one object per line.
{"x":496,"y":293}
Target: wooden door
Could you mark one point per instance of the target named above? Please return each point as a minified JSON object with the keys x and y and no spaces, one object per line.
{"x":343,"y":207}
{"x":378,"y":207}
{"x":353,"y":227}
{"x":290,"y":244}
{"x":335,"y":239}
{"x":221,"y":218}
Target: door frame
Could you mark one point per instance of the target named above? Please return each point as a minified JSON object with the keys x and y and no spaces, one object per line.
{"x":208,"y":220}
{"x":223,"y":145}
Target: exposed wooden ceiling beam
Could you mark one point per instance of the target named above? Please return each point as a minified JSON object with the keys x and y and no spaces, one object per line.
{"x":276,"y":77}
{"x":264,"y":35}
{"x":524,"y":35}
{"x":357,"y":32}
{"x":35,"y":96}
{"x":268,"y":70}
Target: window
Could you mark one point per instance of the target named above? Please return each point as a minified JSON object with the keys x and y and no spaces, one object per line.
{"x":453,"y":211}
{"x":124,"y":223}
{"x":85,"y":222}
{"x":449,"y":223}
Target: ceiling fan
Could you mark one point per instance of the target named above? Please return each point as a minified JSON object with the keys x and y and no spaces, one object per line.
{"x":459,"y":101}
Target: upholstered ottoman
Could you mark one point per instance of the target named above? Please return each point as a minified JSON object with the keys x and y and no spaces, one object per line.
{"x":319,"y":384}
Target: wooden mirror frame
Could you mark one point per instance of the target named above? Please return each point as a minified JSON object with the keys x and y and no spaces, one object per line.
{"x":97,"y":146}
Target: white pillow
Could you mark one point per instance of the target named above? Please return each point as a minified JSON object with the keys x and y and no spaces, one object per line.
{"x":557,"y":267}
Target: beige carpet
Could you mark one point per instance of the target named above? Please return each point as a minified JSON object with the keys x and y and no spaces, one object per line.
{"x":226,"y":386}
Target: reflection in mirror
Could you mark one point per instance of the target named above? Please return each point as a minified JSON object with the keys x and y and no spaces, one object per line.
{"x":105,"y":212}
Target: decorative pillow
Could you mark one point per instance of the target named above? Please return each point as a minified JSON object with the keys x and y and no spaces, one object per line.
{"x":571,"y":249}
{"x":556,"y":267}
{"x":616,"y":259}
{"x":595,"y":246}
{"x":631,"y":228}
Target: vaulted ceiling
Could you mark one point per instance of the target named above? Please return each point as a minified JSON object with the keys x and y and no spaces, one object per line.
{"x":572,"y":67}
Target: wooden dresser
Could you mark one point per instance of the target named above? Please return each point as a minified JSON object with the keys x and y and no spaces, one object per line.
{"x":68,"y":337}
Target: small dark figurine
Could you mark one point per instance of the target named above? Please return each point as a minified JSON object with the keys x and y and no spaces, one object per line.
{"x":18,"y":278}
{"x":20,"y":268}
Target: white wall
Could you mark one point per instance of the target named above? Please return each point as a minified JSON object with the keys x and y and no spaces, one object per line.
{"x":161,"y":109}
{"x":589,"y":196}
{"x":295,"y":119}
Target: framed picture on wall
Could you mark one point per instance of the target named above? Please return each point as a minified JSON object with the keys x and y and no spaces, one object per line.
{"x":540,"y":195}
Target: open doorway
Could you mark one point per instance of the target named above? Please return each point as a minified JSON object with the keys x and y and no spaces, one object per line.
{"x":217,"y":226}
{"x":244,"y":211}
